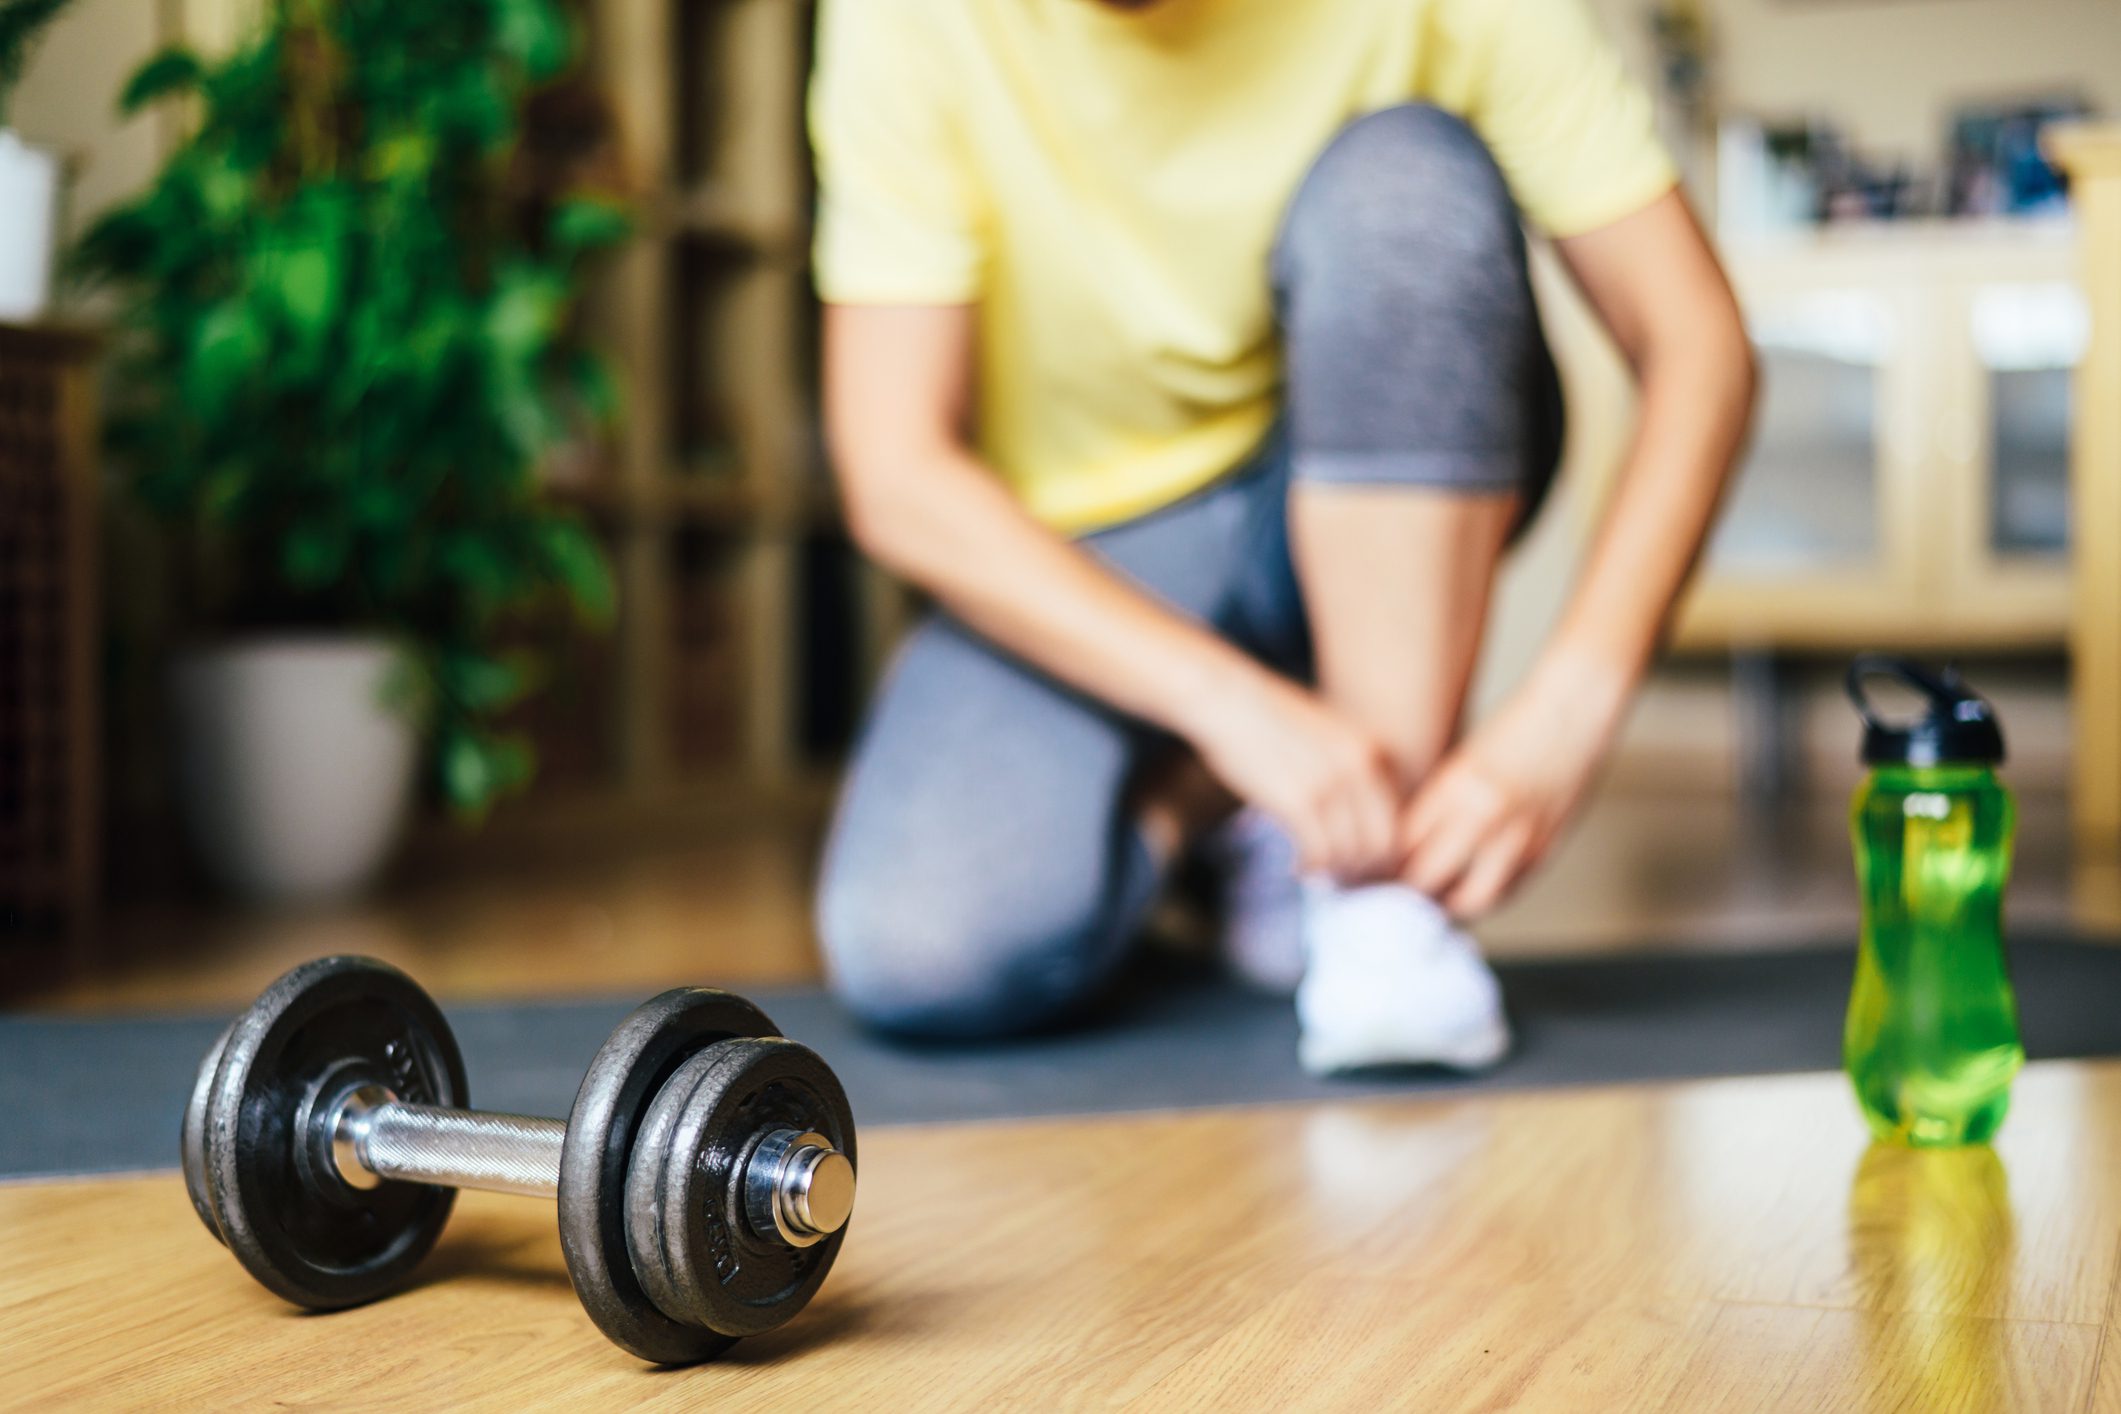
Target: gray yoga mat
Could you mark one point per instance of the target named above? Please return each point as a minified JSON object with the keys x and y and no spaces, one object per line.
{"x":101,"y":1095}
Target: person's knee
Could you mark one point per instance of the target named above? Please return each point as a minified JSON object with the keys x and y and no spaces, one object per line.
{"x":943,"y":963}
{"x":1401,"y":180}
{"x":1414,"y":349}
{"x":1417,"y":151}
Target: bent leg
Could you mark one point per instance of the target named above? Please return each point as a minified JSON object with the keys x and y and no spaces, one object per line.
{"x":1424,"y":424}
{"x":990,"y":862}
{"x":1424,"y":414}
{"x":980,"y":877}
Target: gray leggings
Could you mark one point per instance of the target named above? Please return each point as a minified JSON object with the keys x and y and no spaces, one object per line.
{"x":984,"y":874}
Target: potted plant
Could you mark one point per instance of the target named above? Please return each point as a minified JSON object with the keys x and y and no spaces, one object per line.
{"x":29,"y":176}
{"x":344,"y":348}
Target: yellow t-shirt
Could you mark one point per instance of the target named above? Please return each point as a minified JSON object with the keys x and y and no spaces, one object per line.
{"x":1105,"y":186}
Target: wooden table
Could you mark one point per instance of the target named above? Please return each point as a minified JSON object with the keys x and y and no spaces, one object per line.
{"x":1719,"y":1245}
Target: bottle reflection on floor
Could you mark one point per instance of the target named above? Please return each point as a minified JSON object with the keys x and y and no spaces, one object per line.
{"x":1931,"y":1241}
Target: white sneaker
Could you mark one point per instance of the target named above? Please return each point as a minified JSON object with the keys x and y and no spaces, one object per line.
{"x":1389,"y":981}
{"x":1262,"y":902}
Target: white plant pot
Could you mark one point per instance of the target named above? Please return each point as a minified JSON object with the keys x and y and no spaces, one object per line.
{"x":29,"y":199}
{"x":294,"y":768}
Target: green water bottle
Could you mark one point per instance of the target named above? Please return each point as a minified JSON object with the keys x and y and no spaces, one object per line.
{"x":1932,"y":1037}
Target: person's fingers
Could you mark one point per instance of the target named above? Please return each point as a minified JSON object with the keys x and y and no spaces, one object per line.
{"x":1363,"y":839}
{"x":1363,"y":807}
{"x":1341,"y":825}
{"x":1496,"y":866}
{"x":1377,"y":820}
{"x":1439,"y":804}
{"x":1426,"y":813}
{"x":1442,"y":856}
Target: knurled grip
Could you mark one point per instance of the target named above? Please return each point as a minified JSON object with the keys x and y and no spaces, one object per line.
{"x":500,"y":1153}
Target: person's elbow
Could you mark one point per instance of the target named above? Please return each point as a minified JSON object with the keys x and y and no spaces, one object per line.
{"x":1707,"y":349}
{"x":1718,"y":366}
{"x":881,"y":506}
{"x":1743,"y":362}
{"x":1729,"y":347}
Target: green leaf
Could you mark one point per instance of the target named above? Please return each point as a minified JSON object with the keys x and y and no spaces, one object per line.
{"x":303,"y":280}
{"x":588,"y":222}
{"x":522,"y":412}
{"x":485,"y":574}
{"x":597,"y":388}
{"x":525,"y":314}
{"x":175,"y":70}
{"x":481,"y":684}
{"x":578,"y":562}
{"x":478,"y":768}
{"x":225,"y":190}
{"x":406,"y":156}
{"x":226,"y":352}
{"x":535,"y":34}
{"x":468,"y":775}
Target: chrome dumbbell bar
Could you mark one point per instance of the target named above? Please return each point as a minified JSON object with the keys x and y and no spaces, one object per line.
{"x":795,"y":1183}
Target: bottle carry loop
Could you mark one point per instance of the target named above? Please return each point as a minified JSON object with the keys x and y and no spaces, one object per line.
{"x":1959,"y":726}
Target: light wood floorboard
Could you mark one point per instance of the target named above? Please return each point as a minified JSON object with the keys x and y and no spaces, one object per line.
{"x":1726,"y":1245}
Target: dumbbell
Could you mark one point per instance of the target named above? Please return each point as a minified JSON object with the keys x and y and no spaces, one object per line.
{"x":704,"y":1177}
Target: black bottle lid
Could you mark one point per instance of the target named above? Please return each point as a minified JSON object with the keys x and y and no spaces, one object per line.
{"x":1959,"y":726}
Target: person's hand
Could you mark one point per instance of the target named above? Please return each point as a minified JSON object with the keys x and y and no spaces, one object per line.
{"x":1281,"y":749}
{"x":1489,"y":812}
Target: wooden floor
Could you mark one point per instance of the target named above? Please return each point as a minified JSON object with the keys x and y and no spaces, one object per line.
{"x":1723,"y":1245}
{"x":1729,"y":1245}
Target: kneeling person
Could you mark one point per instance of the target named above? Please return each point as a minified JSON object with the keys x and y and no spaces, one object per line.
{"x":1184,"y":351}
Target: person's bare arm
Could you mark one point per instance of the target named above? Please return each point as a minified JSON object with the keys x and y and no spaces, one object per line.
{"x":918,"y":500}
{"x":1494,"y":806}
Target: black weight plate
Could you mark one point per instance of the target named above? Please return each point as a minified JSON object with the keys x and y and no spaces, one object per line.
{"x":191,"y":1141}
{"x":629,"y":1069}
{"x":644,"y":1169}
{"x":694,"y":1247}
{"x":311,"y":1238}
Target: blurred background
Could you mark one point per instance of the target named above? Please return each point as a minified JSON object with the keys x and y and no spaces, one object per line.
{"x":415,"y":536}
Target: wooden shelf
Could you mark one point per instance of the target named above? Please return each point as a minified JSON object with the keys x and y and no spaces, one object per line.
{"x":709,"y":503}
{"x":720,"y":216}
{"x":711,"y":494}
